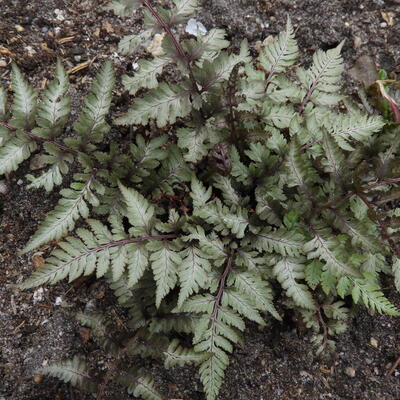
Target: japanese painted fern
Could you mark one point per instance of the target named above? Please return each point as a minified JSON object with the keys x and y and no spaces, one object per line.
{"x":258,"y":183}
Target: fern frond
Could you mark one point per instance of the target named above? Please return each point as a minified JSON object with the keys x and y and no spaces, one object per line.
{"x":70,"y":207}
{"x":165,"y":261}
{"x":284,"y":242}
{"x":130,"y":43}
{"x":139,"y":211}
{"x":361,"y":235}
{"x":323,"y":76}
{"x":178,"y":355}
{"x":54,"y":108}
{"x":142,"y":385}
{"x":220,"y":69}
{"x":73,"y":371}
{"x":281,"y":53}
{"x":53,"y":176}
{"x":199,"y":194}
{"x":25,"y":101}
{"x":146,"y":76}
{"x":100,"y":327}
{"x":208,"y":46}
{"x":91,"y":124}
{"x":300,"y":170}
{"x":124,"y":8}
{"x":164,"y":104}
{"x":252,"y":285}
{"x":14,"y":152}
{"x":210,"y":244}
{"x":230,"y":195}
{"x":198,"y":141}
{"x":328,"y":250}
{"x":346,"y":128}
{"x":288,"y":270}
{"x":334,"y":161}
{"x":183,"y":10}
{"x":224,"y":219}
{"x":372,"y":297}
{"x":192,"y":272}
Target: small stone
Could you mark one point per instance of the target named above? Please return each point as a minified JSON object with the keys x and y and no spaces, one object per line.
{"x":19,"y":28}
{"x":195,"y":27}
{"x":58,"y":301}
{"x":20,"y":182}
{"x":3,"y":63}
{"x":59,"y":14}
{"x":357,"y":42}
{"x":351,"y":372}
{"x":155,"y":48}
{"x":77,"y":58}
{"x":4,"y":189}
{"x":383,"y":24}
{"x":373,"y":342}
{"x":38,"y":295}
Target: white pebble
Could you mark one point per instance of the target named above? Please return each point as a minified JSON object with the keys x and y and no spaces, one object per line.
{"x":195,"y":27}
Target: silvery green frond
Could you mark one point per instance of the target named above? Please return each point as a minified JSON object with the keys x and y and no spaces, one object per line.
{"x":199,"y":194}
{"x":146,"y":76}
{"x":72,"y":206}
{"x":54,"y":108}
{"x":58,"y":166}
{"x":124,"y":8}
{"x":164,"y":104}
{"x":139,"y":211}
{"x":165,"y":261}
{"x":219,"y":69}
{"x":371,"y":295}
{"x":280,"y":53}
{"x":15,"y":151}
{"x":288,"y":271}
{"x":323,"y":77}
{"x":192,"y":272}
{"x":25,"y":101}
{"x":91,"y":123}
{"x":130,"y":43}
{"x":175,"y":354}
{"x":346,"y":129}
{"x":329,"y":251}
{"x":282,"y":241}
{"x":73,"y":371}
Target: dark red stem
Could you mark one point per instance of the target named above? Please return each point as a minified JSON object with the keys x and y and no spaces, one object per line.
{"x":39,"y":138}
{"x":175,"y":41}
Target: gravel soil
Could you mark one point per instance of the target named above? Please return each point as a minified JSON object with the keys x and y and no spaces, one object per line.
{"x":276,"y":362}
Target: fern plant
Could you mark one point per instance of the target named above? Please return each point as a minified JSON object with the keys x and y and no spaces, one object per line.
{"x":261,"y":181}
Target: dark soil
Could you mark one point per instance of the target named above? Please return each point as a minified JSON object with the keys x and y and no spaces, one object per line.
{"x":277,"y":362}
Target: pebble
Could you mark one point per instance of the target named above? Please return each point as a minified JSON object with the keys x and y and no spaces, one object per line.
{"x":383,"y":24}
{"x":155,"y":48}
{"x":59,"y":14}
{"x":20,"y":182}
{"x":195,"y":27}
{"x":77,"y":58}
{"x":351,"y":372}
{"x":58,"y":301}
{"x":3,"y":63}
{"x":38,"y":295}
{"x":4,"y":189}
{"x":373,"y":342}
{"x":19,"y":28}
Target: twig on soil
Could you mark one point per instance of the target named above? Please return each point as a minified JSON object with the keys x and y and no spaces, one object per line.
{"x":393,"y":367}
